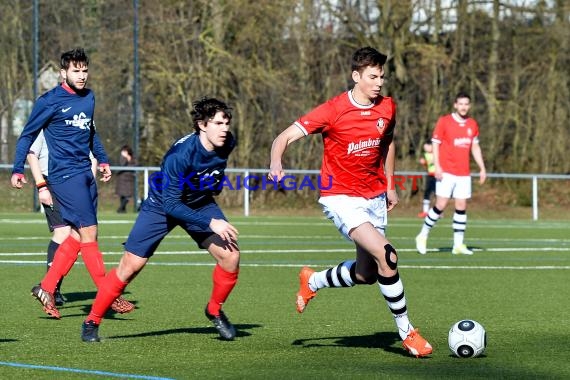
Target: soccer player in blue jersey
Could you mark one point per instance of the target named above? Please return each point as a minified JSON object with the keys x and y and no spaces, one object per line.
{"x":65,"y":115}
{"x":182,"y":194}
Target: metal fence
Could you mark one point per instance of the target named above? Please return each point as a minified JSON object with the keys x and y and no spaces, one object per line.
{"x":250,"y":178}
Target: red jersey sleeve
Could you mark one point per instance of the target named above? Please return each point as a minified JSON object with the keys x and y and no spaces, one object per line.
{"x":317,"y":120}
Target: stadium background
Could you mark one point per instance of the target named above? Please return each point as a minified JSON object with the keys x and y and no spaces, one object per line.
{"x":275,"y":60}
{"x":272,"y":61}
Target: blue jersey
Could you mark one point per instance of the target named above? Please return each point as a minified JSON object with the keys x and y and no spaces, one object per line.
{"x":189,"y":178}
{"x":67,"y":121}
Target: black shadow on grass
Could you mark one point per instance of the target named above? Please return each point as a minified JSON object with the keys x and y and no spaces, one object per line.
{"x":381,"y":340}
{"x":110,"y":314}
{"x":482,"y":356}
{"x":83,"y":296}
{"x":8,"y":340}
{"x":72,"y":297}
{"x":190,"y":330}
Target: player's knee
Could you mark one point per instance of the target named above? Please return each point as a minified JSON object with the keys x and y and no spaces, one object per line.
{"x":391,"y":257}
{"x":130,"y":265}
{"x":365,"y":279}
{"x":234,"y":260}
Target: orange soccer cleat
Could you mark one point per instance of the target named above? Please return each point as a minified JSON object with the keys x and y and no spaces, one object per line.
{"x":305,"y":293}
{"x":122,"y":306}
{"x":416,"y":345}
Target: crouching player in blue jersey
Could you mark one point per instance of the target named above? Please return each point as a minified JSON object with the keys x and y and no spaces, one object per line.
{"x":181,"y":194}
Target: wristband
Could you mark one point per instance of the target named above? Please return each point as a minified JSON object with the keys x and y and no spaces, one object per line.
{"x":41,"y":185}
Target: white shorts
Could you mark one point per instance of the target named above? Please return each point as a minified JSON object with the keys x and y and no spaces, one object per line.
{"x":348,"y":213}
{"x":453,"y":186}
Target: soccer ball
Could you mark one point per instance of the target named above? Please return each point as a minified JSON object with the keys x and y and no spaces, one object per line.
{"x":467,"y":339}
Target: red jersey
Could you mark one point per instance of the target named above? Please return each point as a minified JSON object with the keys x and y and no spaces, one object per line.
{"x":455,"y":136}
{"x":352,"y":135}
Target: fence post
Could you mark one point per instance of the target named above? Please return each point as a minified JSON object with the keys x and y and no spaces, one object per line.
{"x":145,"y":192}
{"x":534,"y":197}
{"x":246,"y":195}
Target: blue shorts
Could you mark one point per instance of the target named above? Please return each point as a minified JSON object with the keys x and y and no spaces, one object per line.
{"x":77,"y":197}
{"x":152,"y":225}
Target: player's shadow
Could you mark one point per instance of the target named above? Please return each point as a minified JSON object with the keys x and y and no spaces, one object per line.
{"x":240,"y":332}
{"x":83,"y":296}
{"x":381,"y":340}
{"x":475,"y":249}
{"x":7,"y":340}
{"x":72,"y":297}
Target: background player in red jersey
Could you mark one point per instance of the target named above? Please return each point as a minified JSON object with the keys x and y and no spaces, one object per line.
{"x":455,"y":137}
{"x":357,"y":128}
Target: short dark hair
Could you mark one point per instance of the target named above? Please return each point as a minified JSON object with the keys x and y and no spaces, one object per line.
{"x":462,"y":95}
{"x":207,"y":108}
{"x":128,"y":149}
{"x":76,"y":55}
{"x":367,"y":56}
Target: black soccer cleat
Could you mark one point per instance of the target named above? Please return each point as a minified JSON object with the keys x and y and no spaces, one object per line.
{"x":47,"y":301}
{"x":226,"y":330}
{"x":90,"y":332}
{"x":59,"y":298}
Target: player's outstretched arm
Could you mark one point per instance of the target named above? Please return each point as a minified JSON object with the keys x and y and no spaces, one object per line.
{"x":280,"y":144}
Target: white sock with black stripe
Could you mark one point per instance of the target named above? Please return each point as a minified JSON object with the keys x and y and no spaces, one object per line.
{"x":459,"y":226}
{"x":392,"y":289}
{"x":340,"y":276}
{"x":430,"y":220}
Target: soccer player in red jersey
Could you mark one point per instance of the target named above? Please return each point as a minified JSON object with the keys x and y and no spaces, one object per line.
{"x":455,"y":137}
{"x":357,"y":127}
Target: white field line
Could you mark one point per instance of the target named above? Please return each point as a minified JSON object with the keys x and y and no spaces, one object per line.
{"x":306,"y":237}
{"x":279,"y":251}
{"x":324,"y":222}
{"x":447,"y":267}
{"x":317,"y":250}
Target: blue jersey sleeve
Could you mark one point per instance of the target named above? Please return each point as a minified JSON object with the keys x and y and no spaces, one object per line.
{"x":97,"y":147}
{"x":173,"y":168}
{"x":39,"y":118}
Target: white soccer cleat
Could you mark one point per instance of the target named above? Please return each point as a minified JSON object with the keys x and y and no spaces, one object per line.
{"x":421,"y":244}
{"x":461,"y":250}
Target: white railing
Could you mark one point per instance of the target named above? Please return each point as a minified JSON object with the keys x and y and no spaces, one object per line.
{"x":260,"y":173}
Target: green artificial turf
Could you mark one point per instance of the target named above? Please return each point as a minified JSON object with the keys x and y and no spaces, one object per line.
{"x":515,"y":285}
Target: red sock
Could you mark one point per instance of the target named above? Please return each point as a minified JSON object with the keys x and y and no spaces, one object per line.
{"x":110,"y":288}
{"x":64,"y":258}
{"x":224,"y":282}
{"x":93,"y":260}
